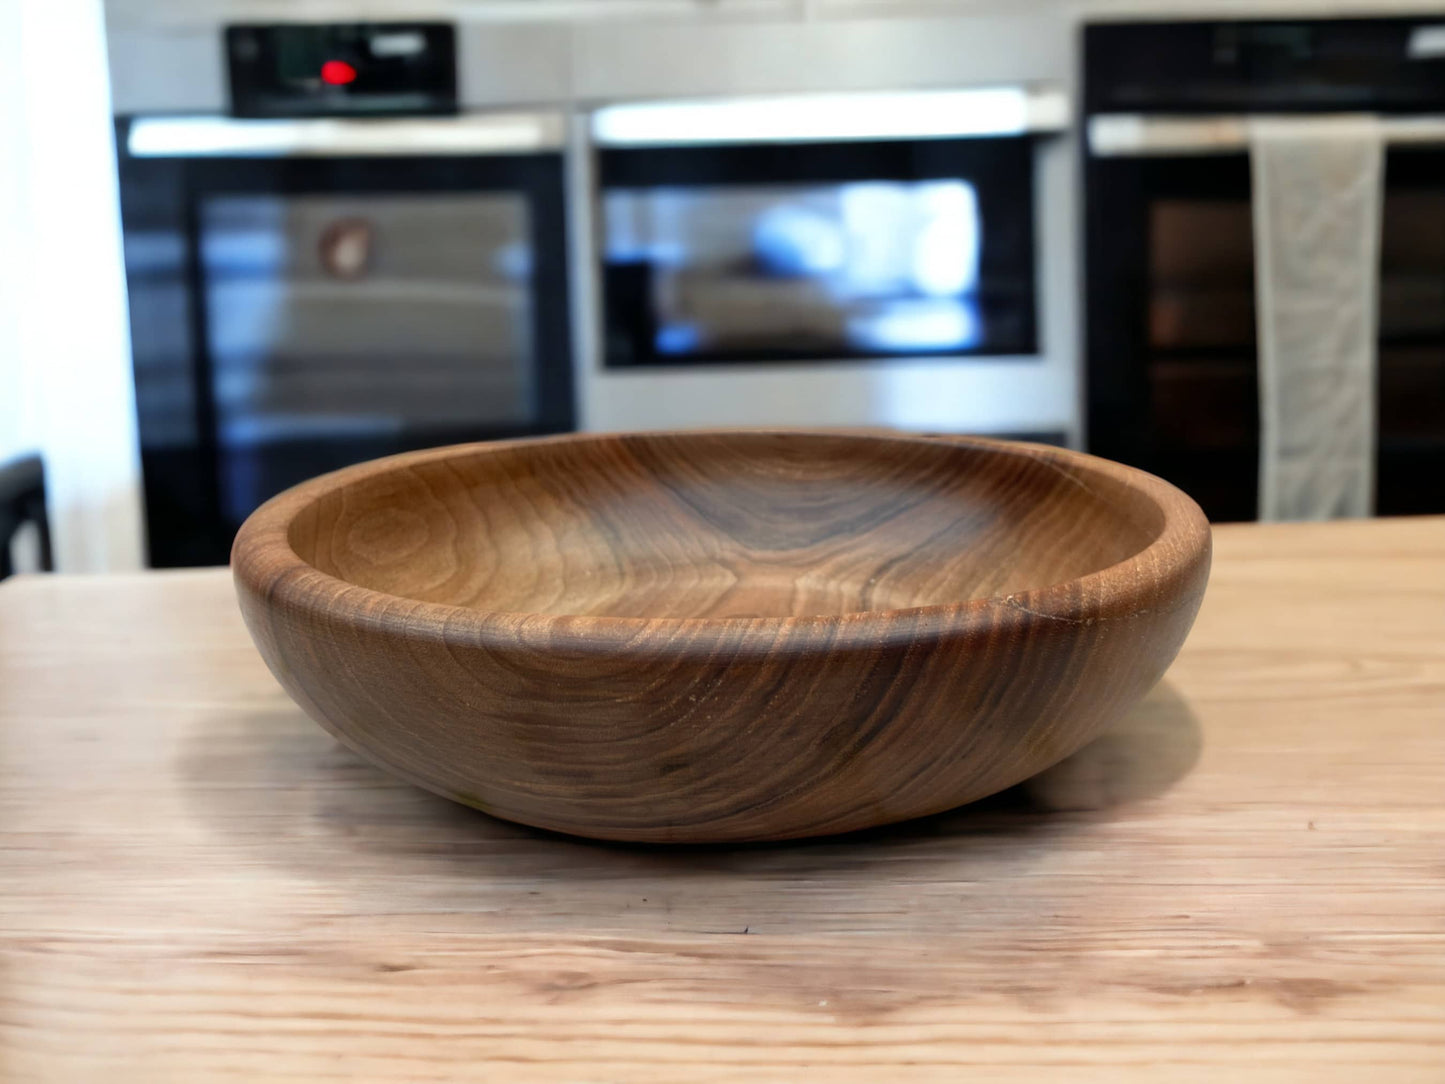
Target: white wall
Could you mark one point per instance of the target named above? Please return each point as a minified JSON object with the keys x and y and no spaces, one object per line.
{"x":64,"y":355}
{"x":192,"y":12}
{"x":18,"y":416}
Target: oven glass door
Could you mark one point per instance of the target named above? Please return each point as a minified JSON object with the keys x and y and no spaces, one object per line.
{"x":294,"y":316}
{"x":1172,"y":366}
{"x":815,"y":252}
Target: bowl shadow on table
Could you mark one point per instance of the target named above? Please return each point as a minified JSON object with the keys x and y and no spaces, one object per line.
{"x":330,"y":815}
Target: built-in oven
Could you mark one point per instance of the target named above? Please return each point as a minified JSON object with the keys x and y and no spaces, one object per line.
{"x":1172,"y":321}
{"x":803,"y":236}
{"x":311,"y":291}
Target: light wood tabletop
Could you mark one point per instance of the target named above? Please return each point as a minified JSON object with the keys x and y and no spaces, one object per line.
{"x":1244,"y":881}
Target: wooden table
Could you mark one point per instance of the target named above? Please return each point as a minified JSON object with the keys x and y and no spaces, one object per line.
{"x":196,"y":883}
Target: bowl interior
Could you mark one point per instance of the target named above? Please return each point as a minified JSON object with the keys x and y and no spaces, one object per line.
{"x":722,"y":525}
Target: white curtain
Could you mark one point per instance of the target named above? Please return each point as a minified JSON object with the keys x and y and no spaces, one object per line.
{"x":65,"y":373}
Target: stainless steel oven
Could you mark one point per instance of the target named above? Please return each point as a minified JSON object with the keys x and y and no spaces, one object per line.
{"x":861,"y":257}
{"x":310,"y":292}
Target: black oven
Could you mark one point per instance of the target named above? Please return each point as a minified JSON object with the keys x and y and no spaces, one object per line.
{"x":1172,"y":369}
{"x":343,"y":268}
{"x":811,"y":230}
{"x":294,"y":314}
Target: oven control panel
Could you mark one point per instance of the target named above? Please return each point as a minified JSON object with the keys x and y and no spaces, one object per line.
{"x":341,"y":69}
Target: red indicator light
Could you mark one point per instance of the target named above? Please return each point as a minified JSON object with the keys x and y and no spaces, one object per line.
{"x":337,"y":73}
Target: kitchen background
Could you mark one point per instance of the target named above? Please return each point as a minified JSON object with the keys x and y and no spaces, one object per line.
{"x":941,"y":217}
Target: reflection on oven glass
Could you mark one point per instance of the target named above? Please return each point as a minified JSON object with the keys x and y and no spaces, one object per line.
{"x":423,"y":335}
{"x":855,"y":268}
{"x":903,"y":326}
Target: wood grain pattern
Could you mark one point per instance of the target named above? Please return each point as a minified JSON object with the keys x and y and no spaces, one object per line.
{"x":722,"y":636}
{"x":197,"y":884}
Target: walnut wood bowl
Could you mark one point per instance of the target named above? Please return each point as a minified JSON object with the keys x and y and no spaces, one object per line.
{"x":712,"y":636}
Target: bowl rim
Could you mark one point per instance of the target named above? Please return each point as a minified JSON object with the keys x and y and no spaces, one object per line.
{"x":263,"y":561}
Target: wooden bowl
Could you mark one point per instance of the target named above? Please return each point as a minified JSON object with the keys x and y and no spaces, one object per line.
{"x":709,"y":636}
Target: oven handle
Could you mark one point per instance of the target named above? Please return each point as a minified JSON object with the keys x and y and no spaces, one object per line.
{"x":838,"y":117}
{"x":232,"y":137}
{"x":1133,"y":135}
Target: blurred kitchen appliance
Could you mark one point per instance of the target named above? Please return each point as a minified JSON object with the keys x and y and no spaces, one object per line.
{"x":935,"y":314}
{"x":819,"y":228}
{"x":839,"y":222}
{"x":341,"y":69}
{"x":888,"y":256}
{"x":310,"y":287}
{"x":1170,"y":284}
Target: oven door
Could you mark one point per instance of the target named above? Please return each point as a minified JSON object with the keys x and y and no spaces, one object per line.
{"x":813,"y":230}
{"x":1171,"y":338}
{"x":338,"y":301}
